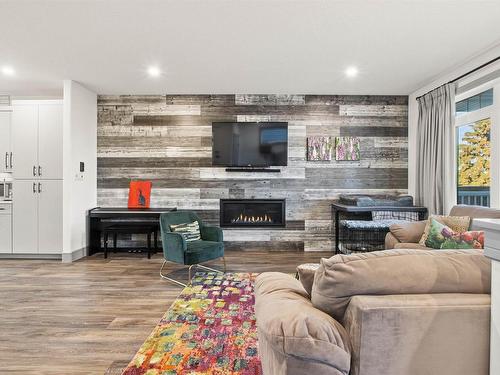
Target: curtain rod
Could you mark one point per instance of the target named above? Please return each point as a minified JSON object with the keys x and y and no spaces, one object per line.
{"x":464,"y":75}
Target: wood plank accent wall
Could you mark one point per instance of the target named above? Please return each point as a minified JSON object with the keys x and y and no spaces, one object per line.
{"x":167,"y":139}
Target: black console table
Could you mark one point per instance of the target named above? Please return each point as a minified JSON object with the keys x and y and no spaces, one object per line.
{"x":100,"y":217}
{"x":364,"y":213}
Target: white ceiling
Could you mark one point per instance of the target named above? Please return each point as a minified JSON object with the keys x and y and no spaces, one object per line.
{"x":239,"y":46}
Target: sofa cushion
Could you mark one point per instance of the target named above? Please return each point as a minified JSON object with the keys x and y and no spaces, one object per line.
{"x":408,"y":231}
{"x":306,"y":273}
{"x":456,"y":223}
{"x":433,"y":334}
{"x":398,"y":272}
{"x":291,"y":326}
{"x":203,"y":251}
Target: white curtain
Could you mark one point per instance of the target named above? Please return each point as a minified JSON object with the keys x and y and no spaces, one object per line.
{"x":435,"y":169}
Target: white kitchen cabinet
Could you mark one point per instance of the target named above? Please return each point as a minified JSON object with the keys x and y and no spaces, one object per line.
{"x":50,"y":141}
{"x":37,"y":170}
{"x":5,"y":228}
{"x":50,"y":216}
{"x":5,"y":141}
{"x":37,"y":140}
{"x":25,"y":217}
{"x":25,"y":141}
{"x":37,"y":217}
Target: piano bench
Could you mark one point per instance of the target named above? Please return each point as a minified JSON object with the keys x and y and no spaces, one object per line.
{"x":116,"y":229}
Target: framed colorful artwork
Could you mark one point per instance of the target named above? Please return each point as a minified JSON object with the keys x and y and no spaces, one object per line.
{"x":139,"y":194}
{"x":347,"y":148}
{"x":319,"y":148}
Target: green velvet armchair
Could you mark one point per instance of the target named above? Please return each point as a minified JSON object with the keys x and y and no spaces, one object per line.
{"x":191,"y":253}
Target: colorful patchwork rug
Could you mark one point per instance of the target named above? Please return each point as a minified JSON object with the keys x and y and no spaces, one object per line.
{"x":209,"y":329}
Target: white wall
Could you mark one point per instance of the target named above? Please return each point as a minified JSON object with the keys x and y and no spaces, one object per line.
{"x":443,"y":78}
{"x":80,"y":145}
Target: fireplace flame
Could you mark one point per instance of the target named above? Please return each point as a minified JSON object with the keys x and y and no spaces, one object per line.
{"x":252,"y":219}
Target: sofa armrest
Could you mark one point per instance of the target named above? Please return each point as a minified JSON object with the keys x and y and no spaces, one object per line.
{"x":445,"y":334}
{"x":174,"y":246}
{"x":294,"y":337}
{"x":390,"y":241}
{"x":211,"y":233}
{"x":409,"y":232}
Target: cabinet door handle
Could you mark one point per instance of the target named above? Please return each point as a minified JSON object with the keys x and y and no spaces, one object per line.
{"x":34,"y":187}
{"x":39,"y":170}
{"x":11,"y":160}
{"x":34,"y":171}
{"x":6,"y":158}
{"x":39,"y":187}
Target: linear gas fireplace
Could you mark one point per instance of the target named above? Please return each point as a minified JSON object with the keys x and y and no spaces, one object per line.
{"x":252,"y":213}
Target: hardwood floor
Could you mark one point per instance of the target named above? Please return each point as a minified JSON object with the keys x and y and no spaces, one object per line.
{"x":91,"y":316}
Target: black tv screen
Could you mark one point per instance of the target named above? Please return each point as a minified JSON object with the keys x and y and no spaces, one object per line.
{"x":249,"y":144}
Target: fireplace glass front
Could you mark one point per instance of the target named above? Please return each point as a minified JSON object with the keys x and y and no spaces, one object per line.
{"x":252,"y":213}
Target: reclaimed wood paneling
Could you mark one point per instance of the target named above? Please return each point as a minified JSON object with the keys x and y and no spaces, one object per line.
{"x":356,"y":99}
{"x":245,"y":99}
{"x":167,"y":139}
{"x":368,"y":131}
{"x":373,"y":110}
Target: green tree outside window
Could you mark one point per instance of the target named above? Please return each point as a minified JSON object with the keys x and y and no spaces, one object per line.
{"x":474,"y":155}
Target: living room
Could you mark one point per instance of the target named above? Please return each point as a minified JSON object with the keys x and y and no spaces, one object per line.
{"x":249,"y":187}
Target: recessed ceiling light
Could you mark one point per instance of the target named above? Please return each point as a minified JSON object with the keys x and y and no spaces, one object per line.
{"x":154,"y":71}
{"x":8,"y":71}
{"x":351,"y":72}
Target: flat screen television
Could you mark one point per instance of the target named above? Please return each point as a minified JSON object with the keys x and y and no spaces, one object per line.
{"x":249,"y":144}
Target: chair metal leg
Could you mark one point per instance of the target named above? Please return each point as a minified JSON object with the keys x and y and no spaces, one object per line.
{"x":168,"y":278}
{"x":204,"y":267}
{"x":207,"y":268}
{"x":190,"y":272}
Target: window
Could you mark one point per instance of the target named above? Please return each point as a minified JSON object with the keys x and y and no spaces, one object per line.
{"x":473,"y":148}
{"x":475,"y":102}
{"x":473,"y":163}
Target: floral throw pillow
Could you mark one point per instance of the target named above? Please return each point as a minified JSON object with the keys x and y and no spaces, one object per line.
{"x":443,"y":237}
{"x":456,"y":223}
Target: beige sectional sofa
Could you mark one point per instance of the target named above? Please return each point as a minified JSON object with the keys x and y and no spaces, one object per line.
{"x":392,"y":312}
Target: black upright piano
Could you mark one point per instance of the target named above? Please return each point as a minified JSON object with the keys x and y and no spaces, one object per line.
{"x":100,"y":217}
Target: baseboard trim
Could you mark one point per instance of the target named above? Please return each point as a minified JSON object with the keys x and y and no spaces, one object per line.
{"x":31,"y":256}
{"x":74,"y":255}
